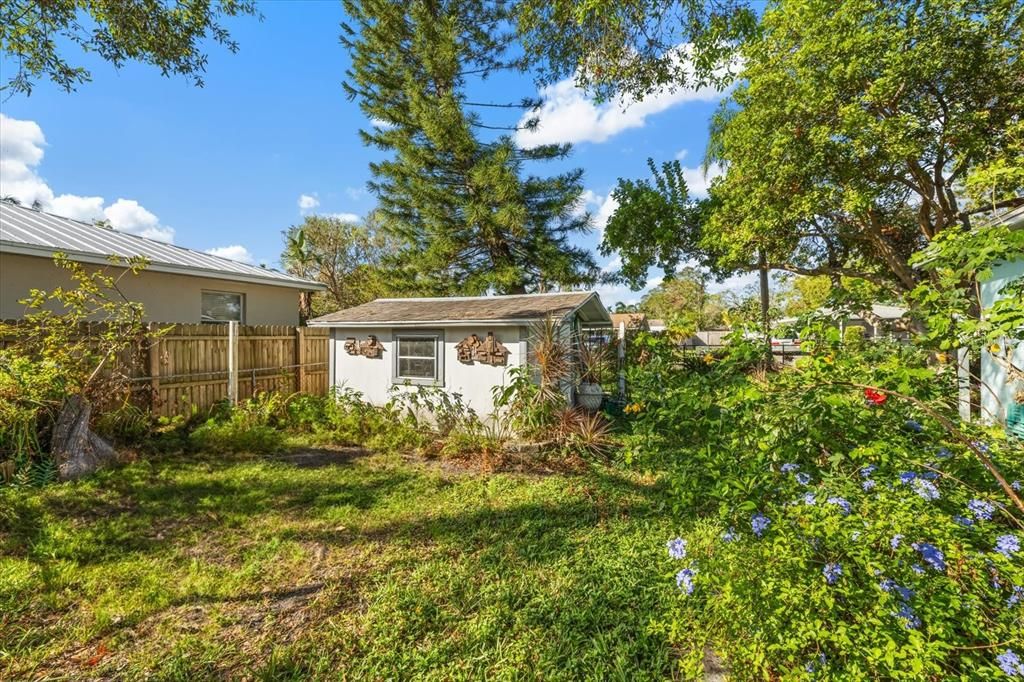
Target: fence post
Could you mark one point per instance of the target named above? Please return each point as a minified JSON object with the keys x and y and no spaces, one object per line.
{"x":233,"y":362}
{"x":300,"y":359}
{"x":154,"y":365}
{"x":622,"y":361}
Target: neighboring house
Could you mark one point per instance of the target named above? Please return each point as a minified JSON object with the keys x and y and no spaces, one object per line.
{"x":880,"y":320}
{"x":656,"y":326}
{"x":632,"y":321}
{"x":998,"y":394}
{"x":178,"y":285}
{"x":465,"y":345}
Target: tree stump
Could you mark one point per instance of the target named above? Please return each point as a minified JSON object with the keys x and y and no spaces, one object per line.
{"x":77,"y":450}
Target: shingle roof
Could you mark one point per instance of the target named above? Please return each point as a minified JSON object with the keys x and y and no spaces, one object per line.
{"x":35,"y":233}
{"x":466,"y":309}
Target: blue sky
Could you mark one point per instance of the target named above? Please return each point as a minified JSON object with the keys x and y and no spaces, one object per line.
{"x":226,"y":165}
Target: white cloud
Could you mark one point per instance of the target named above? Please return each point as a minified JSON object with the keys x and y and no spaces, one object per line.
{"x":346,"y":217}
{"x":235,"y":252}
{"x":568,"y":115}
{"x":698,"y":182}
{"x":21,"y":151}
{"x":601,"y":208}
{"x":307,"y":202}
{"x":356,"y":193}
{"x":681,"y":154}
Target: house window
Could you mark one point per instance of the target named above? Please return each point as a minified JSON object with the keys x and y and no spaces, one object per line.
{"x":418,"y":358}
{"x":222,"y":306}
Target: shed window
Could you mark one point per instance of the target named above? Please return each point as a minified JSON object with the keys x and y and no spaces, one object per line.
{"x":417,"y":358}
{"x":222,"y":306}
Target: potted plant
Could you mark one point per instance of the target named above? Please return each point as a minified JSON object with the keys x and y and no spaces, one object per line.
{"x":593,"y":364}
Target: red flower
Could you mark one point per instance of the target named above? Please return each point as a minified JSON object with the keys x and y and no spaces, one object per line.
{"x":874,"y":397}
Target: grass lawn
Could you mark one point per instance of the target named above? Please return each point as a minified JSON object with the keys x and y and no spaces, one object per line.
{"x":333,"y":565}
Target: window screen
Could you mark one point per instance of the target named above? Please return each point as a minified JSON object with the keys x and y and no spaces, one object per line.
{"x":219,"y":306}
{"x":417,"y":357}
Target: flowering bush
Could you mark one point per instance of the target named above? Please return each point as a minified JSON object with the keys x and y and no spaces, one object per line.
{"x":842,"y":531}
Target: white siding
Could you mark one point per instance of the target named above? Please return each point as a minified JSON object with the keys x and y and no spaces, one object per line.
{"x":373,"y":376}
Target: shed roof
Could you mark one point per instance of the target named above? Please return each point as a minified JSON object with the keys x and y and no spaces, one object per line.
{"x":30,"y":232}
{"x":465,"y":310}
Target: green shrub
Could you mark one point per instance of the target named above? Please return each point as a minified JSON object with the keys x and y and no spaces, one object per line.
{"x":834,"y":531}
{"x":252,"y":426}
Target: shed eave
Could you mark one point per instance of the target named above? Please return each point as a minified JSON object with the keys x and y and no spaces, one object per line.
{"x":21,"y":249}
{"x":426,"y":323}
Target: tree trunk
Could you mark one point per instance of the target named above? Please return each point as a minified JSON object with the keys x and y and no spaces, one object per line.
{"x":77,"y":450}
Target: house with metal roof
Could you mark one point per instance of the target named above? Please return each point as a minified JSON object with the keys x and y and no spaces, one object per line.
{"x":178,"y":284}
{"x":464,"y":345}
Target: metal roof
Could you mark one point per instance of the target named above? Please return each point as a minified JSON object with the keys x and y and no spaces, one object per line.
{"x":30,"y":232}
{"x":466,"y":310}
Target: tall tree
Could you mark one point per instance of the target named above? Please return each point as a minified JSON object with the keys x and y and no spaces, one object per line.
{"x":470,"y":219}
{"x":348,"y":258}
{"x":685,"y":299}
{"x":34,"y":35}
{"x":848,"y":144}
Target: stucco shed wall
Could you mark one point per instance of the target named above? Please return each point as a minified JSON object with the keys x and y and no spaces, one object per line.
{"x":373,"y":377}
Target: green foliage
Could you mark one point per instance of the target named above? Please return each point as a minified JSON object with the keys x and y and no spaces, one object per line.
{"x":468,"y":218}
{"x":634,"y":46}
{"x":684,"y":301}
{"x":656,"y":224}
{"x":252,"y":426}
{"x":846,"y":143}
{"x":957,"y":261}
{"x":766,"y":603}
{"x":33,"y":36}
{"x":344,"y":256}
{"x":48,"y":359}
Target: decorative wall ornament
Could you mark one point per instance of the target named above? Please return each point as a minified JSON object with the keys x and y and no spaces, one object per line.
{"x":489,"y":351}
{"x":371,"y":348}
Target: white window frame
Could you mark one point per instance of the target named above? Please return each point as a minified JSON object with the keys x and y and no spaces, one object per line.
{"x":241,"y":304}
{"x":435,"y":335}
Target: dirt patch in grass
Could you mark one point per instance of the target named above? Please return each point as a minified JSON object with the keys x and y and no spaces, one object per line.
{"x":313,"y":458}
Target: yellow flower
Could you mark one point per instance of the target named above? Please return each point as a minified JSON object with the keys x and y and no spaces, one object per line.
{"x":828,"y":359}
{"x":994,"y":349}
{"x":942,"y":358}
{"x":708,"y":358}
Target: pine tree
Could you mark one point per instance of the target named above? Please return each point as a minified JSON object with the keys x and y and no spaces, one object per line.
{"x":471,"y":220}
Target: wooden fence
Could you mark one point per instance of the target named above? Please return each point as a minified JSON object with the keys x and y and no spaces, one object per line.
{"x":201,"y":364}
{"x":178,"y":366}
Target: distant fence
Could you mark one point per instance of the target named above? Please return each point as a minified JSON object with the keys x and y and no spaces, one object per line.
{"x":177,"y":366}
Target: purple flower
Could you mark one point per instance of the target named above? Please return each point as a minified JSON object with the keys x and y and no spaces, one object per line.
{"x":931,"y":554}
{"x":867,"y":470}
{"x":1018,"y":594}
{"x":944,"y":453}
{"x":930,"y":475}
{"x":684,"y":579}
{"x":832,"y":573}
{"x":926,"y":489}
{"x":917,"y":568}
{"x":890,"y":585}
{"x":1007,"y":545}
{"x":843,"y":505}
{"x":813,"y":666}
{"x":914,"y":426}
{"x":855,"y":536}
{"x":906,"y":612}
{"x":803,"y":479}
{"x":907,"y":476}
{"x":964,"y":521}
{"x":730,"y":535}
{"x":981,"y":509}
{"x":868,"y":484}
{"x":809,"y":499}
{"x":759,"y":523}
{"x":789,"y":466}
{"x":983,"y":447}
{"x":1015,"y":485}
{"x":1010,"y":663}
{"x":895,"y":542}
{"x":676,"y":548}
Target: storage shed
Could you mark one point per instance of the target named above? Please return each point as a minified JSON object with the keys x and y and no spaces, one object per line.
{"x":466,"y":345}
